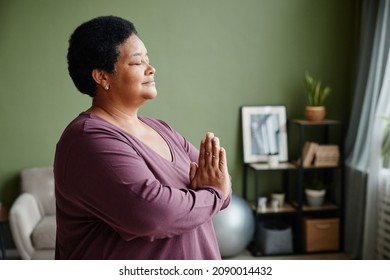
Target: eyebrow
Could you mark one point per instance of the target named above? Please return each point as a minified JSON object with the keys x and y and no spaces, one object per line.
{"x":138,"y":54}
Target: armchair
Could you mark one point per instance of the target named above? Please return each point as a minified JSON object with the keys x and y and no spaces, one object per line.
{"x":32,"y":216}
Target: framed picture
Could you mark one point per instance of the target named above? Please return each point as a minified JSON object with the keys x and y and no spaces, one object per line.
{"x":264,"y":132}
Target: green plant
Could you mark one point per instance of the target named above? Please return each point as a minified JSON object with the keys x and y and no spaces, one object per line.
{"x":314,"y":182}
{"x":385,"y":148}
{"x":316,"y":185}
{"x":315,"y":94}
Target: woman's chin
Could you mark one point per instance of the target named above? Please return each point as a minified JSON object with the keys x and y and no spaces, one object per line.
{"x":151,"y":95}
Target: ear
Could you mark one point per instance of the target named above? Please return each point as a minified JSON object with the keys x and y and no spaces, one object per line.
{"x":100,"y":77}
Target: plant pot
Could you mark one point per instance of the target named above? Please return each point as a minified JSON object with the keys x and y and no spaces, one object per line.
{"x":315,"y":198}
{"x":315,"y":113}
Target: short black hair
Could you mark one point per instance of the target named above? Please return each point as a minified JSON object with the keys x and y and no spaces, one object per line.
{"x":94,"y":45}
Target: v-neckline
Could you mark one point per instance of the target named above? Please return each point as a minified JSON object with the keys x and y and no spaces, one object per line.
{"x":151,"y":125}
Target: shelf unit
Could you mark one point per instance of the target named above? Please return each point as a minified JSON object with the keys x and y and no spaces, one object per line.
{"x":295,"y":209}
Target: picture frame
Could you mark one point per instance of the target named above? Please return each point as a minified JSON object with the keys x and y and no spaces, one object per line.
{"x":264,"y":133}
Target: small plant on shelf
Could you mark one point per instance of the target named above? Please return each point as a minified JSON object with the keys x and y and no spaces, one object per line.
{"x":315,"y":191}
{"x":316,"y":95}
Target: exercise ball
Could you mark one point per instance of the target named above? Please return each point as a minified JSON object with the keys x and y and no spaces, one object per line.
{"x":234,"y":227}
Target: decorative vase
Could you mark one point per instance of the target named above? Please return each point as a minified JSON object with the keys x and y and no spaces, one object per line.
{"x":279,"y":197}
{"x":315,"y":113}
{"x":315,"y":198}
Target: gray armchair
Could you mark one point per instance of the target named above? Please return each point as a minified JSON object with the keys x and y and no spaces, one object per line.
{"x":32,"y":216}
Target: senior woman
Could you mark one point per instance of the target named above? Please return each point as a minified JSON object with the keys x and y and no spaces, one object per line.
{"x":130,"y":186}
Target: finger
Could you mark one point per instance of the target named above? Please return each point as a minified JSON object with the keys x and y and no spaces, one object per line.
{"x":202,"y":152}
{"x":215,"y":153}
{"x":222,"y":160}
{"x":216,"y":139}
{"x":210,"y":135}
{"x":193,"y":168}
{"x":216,"y":146}
{"x":209,"y":147}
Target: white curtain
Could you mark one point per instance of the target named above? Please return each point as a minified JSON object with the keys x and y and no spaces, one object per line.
{"x":372,"y":100}
{"x":378,"y":125}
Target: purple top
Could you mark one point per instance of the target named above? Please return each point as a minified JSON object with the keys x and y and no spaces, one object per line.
{"x":118,"y":199}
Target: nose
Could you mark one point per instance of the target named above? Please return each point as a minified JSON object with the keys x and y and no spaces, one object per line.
{"x":150,"y":70}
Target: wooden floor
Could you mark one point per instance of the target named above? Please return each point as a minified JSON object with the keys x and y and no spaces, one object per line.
{"x":246,"y":255}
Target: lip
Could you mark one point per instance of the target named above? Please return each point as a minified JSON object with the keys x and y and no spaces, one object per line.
{"x":151,"y":82}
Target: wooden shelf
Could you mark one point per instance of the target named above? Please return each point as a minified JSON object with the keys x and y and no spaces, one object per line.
{"x":286,"y":208}
{"x":324,"y":207}
{"x":280,"y":166}
{"x":324,"y":122}
{"x":296,"y":163}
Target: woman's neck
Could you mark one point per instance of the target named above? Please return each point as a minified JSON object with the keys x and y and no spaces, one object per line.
{"x":123,"y":118}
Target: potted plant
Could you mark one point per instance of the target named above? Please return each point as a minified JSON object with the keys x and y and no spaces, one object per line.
{"x":315,"y":192}
{"x":316,"y":95}
{"x":385,"y":147}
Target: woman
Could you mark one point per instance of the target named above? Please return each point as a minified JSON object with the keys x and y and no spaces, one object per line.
{"x":131,"y":187}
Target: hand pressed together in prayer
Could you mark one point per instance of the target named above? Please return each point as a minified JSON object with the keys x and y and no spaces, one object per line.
{"x":211,"y":169}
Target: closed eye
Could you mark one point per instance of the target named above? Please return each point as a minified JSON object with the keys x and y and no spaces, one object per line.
{"x":146,"y":61}
{"x":144,"y":58}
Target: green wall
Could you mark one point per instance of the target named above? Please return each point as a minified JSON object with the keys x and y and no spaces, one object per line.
{"x":211,"y":56}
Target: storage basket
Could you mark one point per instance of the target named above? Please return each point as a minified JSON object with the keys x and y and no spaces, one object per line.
{"x":275,"y":238}
{"x":321,"y":234}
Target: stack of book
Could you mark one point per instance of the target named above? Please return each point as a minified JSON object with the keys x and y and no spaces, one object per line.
{"x":318,"y":155}
{"x":327,"y":155}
